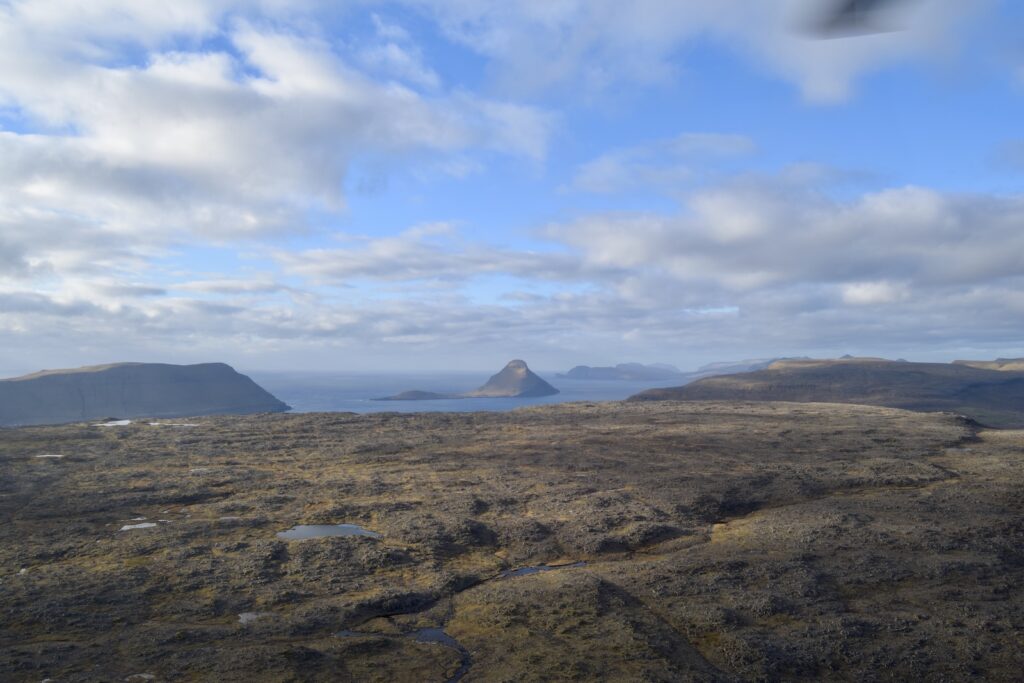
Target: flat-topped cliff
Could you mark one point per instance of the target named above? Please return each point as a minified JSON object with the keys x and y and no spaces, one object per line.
{"x":131,"y":390}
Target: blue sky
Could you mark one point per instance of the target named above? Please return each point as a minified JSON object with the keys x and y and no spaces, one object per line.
{"x":449,"y":184}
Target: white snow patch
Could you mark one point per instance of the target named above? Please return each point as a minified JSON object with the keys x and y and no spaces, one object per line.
{"x":173,"y":424}
{"x":144,"y":525}
{"x":113,"y":423}
{"x":50,"y":455}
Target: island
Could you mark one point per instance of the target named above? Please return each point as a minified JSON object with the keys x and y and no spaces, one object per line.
{"x":655,"y":372}
{"x":663,"y":372}
{"x":515,"y":380}
{"x":129,"y":390}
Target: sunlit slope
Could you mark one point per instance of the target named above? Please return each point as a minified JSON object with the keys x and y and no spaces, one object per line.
{"x":993,"y":397}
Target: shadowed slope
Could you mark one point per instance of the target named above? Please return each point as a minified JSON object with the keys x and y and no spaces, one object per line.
{"x":131,"y":390}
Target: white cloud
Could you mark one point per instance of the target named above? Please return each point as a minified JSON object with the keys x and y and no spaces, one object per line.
{"x":428,"y":252}
{"x":768,"y":232}
{"x":872,"y":293}
{"x":394,"y":60}
{"x":144,"y":140}
{"x":595,"y":44}
{"x":388,"y":30}
{"x":251,"y":285}
{"x":202,"y":120}
{"x":146,"y":129}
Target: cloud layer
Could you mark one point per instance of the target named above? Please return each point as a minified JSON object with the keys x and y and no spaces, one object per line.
{"x":172,"y":175}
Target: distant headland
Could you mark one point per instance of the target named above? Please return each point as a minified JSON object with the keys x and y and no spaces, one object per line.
{"x":128,"y":390}
{"x":991,"y":392}
{"x":655,"y":372}
{"x":663,"y":372}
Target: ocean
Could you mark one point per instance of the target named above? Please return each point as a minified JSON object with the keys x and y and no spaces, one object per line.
{"x":310,"y":392}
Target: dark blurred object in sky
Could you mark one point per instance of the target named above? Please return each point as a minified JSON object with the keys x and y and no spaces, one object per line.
{"x":845,"y":18}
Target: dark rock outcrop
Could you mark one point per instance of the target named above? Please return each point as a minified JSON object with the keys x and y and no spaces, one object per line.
{"x":127,"y":390}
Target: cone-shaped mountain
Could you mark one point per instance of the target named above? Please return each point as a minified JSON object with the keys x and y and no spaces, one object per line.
{"x":516,"y":380}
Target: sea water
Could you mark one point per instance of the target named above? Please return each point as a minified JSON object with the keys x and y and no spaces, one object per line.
{"x":354,"y":392}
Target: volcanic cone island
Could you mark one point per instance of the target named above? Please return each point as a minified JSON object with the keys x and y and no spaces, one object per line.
{"x":516,"y":380}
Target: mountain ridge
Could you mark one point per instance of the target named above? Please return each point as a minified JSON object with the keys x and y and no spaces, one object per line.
{"x":994,"y":397}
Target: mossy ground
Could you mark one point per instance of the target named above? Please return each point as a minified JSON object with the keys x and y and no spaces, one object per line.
{"x":723,"y":542}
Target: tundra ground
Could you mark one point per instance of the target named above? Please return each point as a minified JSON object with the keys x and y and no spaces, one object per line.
{"x":719,"y":542}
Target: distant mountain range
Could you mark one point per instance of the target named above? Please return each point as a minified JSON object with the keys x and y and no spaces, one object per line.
{"x":128,"y":390}
{"x":515,"y":380}
{"x":991,"y":392}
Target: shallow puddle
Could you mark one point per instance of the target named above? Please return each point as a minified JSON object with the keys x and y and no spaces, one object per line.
{"x":303,"y":532}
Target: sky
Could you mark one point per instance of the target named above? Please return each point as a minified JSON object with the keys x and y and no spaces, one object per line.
{"x":449,"y":184}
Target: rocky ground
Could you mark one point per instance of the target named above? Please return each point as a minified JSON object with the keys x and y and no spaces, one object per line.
{"x":721,"y":542}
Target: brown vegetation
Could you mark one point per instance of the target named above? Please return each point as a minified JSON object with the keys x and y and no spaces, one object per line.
{"x":722,"y":542}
